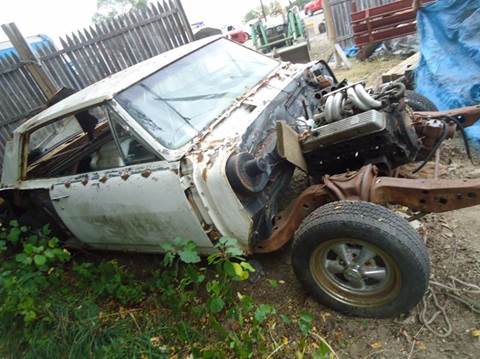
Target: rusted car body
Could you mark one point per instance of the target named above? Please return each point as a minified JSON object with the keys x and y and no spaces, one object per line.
{"x":202,"y":142}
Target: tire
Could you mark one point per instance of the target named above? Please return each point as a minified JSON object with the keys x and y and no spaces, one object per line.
{"x":398,"y":272}
{"x":419,"y":102}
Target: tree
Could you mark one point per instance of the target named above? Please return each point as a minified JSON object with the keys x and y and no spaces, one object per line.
{"x":108,"y":9}
{"x":275,"y":8}
{"x":252,"y":15}
{"x":272,"y":8}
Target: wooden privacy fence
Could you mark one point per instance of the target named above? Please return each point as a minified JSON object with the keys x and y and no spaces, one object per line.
{"x":87,"y":56}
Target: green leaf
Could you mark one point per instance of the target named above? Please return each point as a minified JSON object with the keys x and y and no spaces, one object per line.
{"x":167,"y":247}
{"x":46,"y":230}
{"x":216,"y":305}
{"x":23,"y":258}
{"x":38,"y":249}
{"x":273,"y":283}
{"x":323,"y":352}
{"x":52,"y":243}
{"x":13,"y":223}
{"x":3,"y":246}
{"x":194,"y":275}
{"x":263,"y":311}
{"x":235,"y":270}
{"x":305,"y":323}
{"x":179,"y":242}
{"x":231,"y":247}
{"x":247,"y":266}
{"x":285,"y":318}
{"x":213,"y":287}
{"x":49,"y":253}
{"x":28,"y":248}
{"x":168,"y":259}
{"x":189,"y":253}
{"x":40,"y":260}
{"x":14,"y":234}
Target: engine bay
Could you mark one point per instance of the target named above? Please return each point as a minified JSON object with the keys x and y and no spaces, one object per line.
{"x":347,"y":126}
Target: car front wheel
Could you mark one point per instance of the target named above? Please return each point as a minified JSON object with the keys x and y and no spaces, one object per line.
{"x":361,"y":259}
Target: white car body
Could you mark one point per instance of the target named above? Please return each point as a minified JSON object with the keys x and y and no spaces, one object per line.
{"x":138,"y":207}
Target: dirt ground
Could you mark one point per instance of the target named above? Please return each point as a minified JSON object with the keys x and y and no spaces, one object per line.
{"x":453,"y":240}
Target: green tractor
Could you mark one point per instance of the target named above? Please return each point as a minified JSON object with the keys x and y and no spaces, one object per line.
{"x":282,"y":37}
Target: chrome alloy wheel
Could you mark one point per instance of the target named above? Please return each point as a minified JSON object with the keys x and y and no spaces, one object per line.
{"x":355,"y":272}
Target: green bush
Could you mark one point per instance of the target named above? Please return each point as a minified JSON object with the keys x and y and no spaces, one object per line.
{"x":56,"y":306}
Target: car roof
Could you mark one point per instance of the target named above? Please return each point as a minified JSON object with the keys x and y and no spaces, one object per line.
{"x":105,"y":89}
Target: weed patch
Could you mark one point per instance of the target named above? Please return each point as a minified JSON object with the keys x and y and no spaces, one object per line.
{"x":57,"y":306}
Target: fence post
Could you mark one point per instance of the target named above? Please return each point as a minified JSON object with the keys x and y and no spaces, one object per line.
{"x":332,"y":35}
{"x":31,"y":62}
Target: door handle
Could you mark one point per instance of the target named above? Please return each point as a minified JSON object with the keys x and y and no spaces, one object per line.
{"x":58,"y":198}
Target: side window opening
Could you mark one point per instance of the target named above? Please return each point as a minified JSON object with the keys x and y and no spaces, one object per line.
{"x":132,"y":149}
{"x":83,"y":142}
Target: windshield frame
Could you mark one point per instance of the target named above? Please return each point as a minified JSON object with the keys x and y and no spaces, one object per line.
{"x":171,"y":154}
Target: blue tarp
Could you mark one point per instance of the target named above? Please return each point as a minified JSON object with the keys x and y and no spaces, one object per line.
{"x":449,"y":69}
{"x":35,"y":42}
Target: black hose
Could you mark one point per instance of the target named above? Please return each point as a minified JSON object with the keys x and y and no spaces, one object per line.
{"x":465,"y":138}
{"x":434,"y":149}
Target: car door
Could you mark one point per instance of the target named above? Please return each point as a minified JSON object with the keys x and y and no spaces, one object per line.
{"x":135,"y":208}
{"x":136,"y":205}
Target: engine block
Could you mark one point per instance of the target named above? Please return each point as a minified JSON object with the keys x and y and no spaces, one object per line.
{"x":385,"y":139}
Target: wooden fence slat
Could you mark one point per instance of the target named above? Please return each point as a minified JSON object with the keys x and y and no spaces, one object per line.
{"x":155,"y":31}
{"x":11,"y":94}
{"x":162,"y":27}
{"x":73,"y":61}
{"x":182,"y":34}
{"x":69,"y":77}
{"x":121,"y":44}
{"x":133,"y":47}
{"x":106,"y":60}
{"x":18,"y":86}
{"x":166,"y":24}
{"x":185,"y":21}
{"x":88,"y":64}
{"x":94,"y":56}
{"x":142,"y":45}
{"x":50,"y":70}
{"x":117,"y":61}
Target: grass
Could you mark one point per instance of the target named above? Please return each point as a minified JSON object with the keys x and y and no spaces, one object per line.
{"x":56,"y":306}
{"x":369,"y":70}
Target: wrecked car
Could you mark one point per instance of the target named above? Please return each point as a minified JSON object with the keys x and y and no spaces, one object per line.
{"x":202,"y":142}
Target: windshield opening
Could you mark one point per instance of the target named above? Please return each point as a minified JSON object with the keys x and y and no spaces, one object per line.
{"x":178,"y":101}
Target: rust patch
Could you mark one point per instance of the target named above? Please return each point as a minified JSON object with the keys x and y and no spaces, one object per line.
{"x":67,"y":184}
{"x":288,"y":220}
{"x":125,"y":176}
{"x":85,"y":181}
{"x":204,"y":174}
{"x":213,"y":234}
{"x":103,"y":179}
{"x":146,"y":173}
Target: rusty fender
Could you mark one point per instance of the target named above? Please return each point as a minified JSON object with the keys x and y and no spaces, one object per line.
{"x":424,"y":195}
